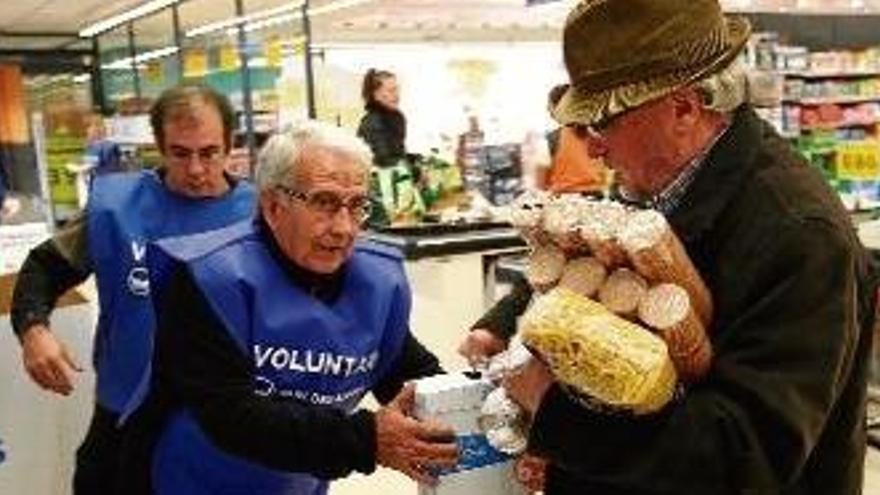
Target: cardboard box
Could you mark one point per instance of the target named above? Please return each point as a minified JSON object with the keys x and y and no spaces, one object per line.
{"x":456,"y":400}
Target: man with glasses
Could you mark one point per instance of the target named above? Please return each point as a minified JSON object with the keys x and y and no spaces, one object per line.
{"x":656,"y":92}
{"x":191,"y":192}
{"x":272,"y":330}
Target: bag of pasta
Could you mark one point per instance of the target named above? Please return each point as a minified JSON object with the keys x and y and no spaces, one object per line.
{"x":607,"y":360}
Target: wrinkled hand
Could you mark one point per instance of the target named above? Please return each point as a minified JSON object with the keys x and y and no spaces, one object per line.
{"x":528,"y":385}
{"x":410,"y":446}
{"x":480,"y":345}
{"x":48,"y":361}
{"x":531,"y":472}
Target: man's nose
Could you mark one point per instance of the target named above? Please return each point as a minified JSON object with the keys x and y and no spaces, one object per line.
{"x":195,"y":165}
{"x":345,"y":222}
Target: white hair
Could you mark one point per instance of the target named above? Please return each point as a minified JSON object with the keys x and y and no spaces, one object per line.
{"x":283,"y":152}
{"x":726,"y":90}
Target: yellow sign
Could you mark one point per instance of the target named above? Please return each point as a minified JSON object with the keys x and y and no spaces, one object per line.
{"x":858,"y":161}
{"x":299,"y":46}
{"x":195,"y":62}
{"x":473,"y":75}
{"x":274,"y":51}
{"x":228,"y":57}
{"x":155,"y":73}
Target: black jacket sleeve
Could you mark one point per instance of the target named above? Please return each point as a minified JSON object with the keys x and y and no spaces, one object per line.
{"x":50,"y":270}
{"x":200,"y":367}
{"x":414,"y":362}
{"x":501,"y":318}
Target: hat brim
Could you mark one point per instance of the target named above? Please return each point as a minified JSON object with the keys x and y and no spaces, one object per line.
{"x":578,"y":107}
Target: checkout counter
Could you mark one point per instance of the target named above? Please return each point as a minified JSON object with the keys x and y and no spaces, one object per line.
{"x":39,"y":430}
{"x":451,"y":269}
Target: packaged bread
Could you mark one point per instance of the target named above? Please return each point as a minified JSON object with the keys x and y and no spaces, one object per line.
{"x":622,"y":291}
{"x":584,"y":276}
{"x":656,"y":253}
{"x":667,"y":309}
{"x":561,"y":219}
{"x":614,"y":362}
{"x":545,"y":266}
{"x":600,"y":221}
{"x":527,"y":214}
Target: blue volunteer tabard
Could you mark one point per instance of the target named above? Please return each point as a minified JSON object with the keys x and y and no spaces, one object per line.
{"x":322,"y":355}
{"x":125,"y":213}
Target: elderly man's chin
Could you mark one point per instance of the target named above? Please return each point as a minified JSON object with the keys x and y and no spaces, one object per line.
{"x":327,"y":260}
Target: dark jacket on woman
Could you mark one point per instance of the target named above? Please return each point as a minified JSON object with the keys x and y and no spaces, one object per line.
{"x":384,"y":129}
{"x":782,"y":410}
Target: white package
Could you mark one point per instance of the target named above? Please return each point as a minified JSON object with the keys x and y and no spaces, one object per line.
{"x":456,"y":400}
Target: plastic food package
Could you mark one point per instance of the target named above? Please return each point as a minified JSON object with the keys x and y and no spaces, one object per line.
{"x":607,"y":358}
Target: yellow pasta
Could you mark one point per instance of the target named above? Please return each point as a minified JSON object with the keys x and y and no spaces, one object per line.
{"x":617,"y":362}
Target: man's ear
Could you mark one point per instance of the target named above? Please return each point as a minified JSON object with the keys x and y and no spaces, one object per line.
{"x":687,"y":106}
{"x":270,"y":207}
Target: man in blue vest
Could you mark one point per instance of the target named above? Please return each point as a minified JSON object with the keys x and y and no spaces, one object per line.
{"x":193,"y":126}
{"x":271,"y":331}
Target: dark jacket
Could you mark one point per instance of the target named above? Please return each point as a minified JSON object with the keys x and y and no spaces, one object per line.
{"x":782,"y":409}
{"x":384,"y":130}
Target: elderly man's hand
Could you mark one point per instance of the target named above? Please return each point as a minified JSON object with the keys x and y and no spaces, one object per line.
{"x":480,"y":345}
{"x":410,"y":446}
{"x":531,"y":472}
{"x":47,"y":361}
{"x":528,"y":385}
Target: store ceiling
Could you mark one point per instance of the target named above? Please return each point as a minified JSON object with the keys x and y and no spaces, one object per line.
{"x":402,"y":20}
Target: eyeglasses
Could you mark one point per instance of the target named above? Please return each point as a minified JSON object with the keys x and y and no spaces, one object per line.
{"x":328,"y":204}
{"x":209,"y":155}
{"x":599,"y":128}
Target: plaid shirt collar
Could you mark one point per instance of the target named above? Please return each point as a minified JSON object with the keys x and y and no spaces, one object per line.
{"x":667,"y":200}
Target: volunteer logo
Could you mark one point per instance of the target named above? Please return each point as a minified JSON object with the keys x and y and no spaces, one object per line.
{"x":263,"y":387}
{"x":314,"y":362}
{"x":138,"y":279}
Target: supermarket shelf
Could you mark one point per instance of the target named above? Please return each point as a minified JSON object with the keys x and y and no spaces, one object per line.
{"x":826,"y":74}
{"x":838,"y":125}
{"x":833,"y":100}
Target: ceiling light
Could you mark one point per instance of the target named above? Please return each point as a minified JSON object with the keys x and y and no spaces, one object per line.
{"x":333,"y":7}
{"x":271,"y":17}
{"x":235,"y":21}
{"x":127,"y":62}
{"x":272,"y":21}
{"x":129,"y":15}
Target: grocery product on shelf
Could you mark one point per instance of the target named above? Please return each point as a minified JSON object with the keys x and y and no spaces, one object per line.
{"x":830,"y":106}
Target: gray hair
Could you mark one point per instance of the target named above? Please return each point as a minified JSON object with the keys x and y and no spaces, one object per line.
{"x":726,"y":90}
{"x":283,"y":152}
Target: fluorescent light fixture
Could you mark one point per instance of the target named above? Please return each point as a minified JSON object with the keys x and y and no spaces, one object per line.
{"x":127,"y":62}
{"x":129,"y":15}
{"x":272,"y":21}
{"x":235,"y":21}
{"x":333,"y":7}
{"x":271,"y":17}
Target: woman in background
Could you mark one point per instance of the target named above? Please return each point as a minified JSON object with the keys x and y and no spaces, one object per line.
{"x":383,"y":126}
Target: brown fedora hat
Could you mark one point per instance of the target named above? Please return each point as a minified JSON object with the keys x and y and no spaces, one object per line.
{"x":620,"y":54}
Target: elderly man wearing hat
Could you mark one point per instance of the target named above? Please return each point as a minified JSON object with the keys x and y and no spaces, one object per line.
{"x":657,"y":92}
